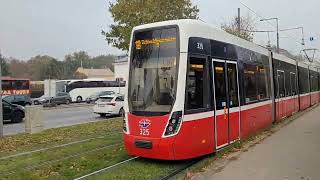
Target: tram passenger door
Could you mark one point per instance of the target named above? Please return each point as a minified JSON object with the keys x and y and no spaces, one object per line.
{"x":227,"y":110}
{"x":281,"y":94}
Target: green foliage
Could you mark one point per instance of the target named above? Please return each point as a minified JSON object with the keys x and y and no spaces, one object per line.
{"x":45,"y":67}
{"x":246,"y":26}
{"x":130,"y":13}
{"x":75,"y":60}
{"x":4,"y":66}
{"x":103,"y":61}
{"x":19,"y":69}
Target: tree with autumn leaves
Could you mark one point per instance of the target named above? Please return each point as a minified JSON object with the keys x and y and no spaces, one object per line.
{"x":43,"y":67}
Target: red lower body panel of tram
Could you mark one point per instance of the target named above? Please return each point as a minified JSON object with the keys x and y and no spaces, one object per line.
{"x":304,"y":102}
{"x":255,"y":117}
{"x":286,"y":107}
{"x":314,"y":98}
{"x":195,"y":138}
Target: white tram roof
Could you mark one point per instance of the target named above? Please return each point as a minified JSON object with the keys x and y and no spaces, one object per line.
{"x":313,"y":67}
{"x":284,"y":58}
{"x":303,"y":64}
{"x":195,"y":28}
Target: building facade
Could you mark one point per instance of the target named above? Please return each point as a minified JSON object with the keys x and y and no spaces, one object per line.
{"x":121,"y":68}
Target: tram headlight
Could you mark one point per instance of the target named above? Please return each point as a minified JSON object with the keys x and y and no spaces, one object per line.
{"x":124,"y":122}
{"x":174,"y":123}
{"x":124,"y":125}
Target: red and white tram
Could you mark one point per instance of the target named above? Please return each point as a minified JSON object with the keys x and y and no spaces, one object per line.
{"x":194,"y":89}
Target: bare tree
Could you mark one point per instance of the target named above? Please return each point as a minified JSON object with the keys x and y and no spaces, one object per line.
{"x":246,"y":27}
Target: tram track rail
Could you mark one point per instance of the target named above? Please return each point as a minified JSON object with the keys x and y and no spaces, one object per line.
{"x":180,"y":169}
{"x":107,"y":168}
{"x":58,"y":146}
{"x":168,"y":176}
{"x":50,"y":162}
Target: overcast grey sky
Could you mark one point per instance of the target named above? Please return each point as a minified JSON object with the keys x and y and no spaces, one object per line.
{"x":59,"y":27}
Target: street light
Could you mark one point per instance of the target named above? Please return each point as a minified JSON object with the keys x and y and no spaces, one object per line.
{"x":302,"y":32}
{"x":278,"y":48}
{"x":260,"y":31}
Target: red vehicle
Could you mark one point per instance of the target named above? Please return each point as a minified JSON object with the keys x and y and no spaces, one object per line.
{"x":14,"y":86}
{"x":194,"y":89}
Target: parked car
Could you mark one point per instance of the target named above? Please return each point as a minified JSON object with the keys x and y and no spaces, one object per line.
{"x":36,"y":101}
{"x":94,"y":97}
{"x":22,"y":100}
{"x":60,"y":98}
{"x":109,"y":105}
{"x":13,"y":112}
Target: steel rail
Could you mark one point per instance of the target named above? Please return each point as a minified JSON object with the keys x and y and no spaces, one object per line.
{"x":10,"y":172}
{"x":179,"y":170}
{"x":55,"y":147}
{"x":106,"y":168}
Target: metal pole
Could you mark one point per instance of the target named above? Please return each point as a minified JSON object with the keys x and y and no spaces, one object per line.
{"x":302,"y":36}
{"x":119,"y":86}
{"x":272,"y":86}
{"x":269,"y":44}
{"x":1,"y":113}
{"x":277,"y":19}
{"x":278,"y":47}
{"x":239,"y":21}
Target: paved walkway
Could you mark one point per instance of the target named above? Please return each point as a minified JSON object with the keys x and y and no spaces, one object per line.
{"x":291,"y":153}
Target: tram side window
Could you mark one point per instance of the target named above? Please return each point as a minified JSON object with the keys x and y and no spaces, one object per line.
{"x":303,"y":81}
{"x":314,"y":82}
{"x":197,"y":86}
{"x":315,"y":86}
{"x":311,"y":83}
{"x":293,"y":84}
{"x":255,"y":83}
{"x":262,"y":83}
{"x":250,"y":83}
{"x":318,"y":82}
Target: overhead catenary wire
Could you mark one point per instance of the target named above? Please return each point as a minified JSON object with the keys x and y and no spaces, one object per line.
{"x":262,"y":17}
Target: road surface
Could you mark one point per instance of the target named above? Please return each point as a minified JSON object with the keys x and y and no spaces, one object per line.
{"x":293,"y":152}
{"x":59,"y":117}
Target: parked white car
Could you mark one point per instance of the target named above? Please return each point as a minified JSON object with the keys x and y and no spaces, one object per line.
{"x":109,"y":105}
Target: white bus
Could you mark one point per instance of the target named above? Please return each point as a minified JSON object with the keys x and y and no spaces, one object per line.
{"x":80,"y":90}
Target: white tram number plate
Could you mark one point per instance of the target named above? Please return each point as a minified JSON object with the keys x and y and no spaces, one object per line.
{"x":144,"y":127}
{"x":144,"y":132}
{"x":200,"y":46}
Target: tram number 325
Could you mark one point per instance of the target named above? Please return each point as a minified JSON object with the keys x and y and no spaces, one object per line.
{"x":144,"y":132}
